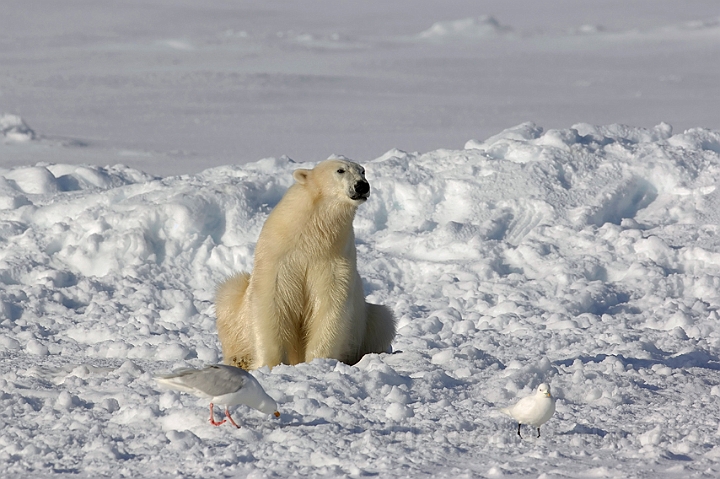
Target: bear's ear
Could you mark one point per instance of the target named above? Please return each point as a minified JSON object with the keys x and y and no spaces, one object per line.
{"x":301,"y":176}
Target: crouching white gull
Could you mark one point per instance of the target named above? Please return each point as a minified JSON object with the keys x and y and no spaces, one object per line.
{"x":533,"y":410}
{"x":226,"y":385}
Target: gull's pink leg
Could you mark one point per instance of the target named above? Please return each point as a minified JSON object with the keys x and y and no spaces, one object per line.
{"x":227,"y":413}
{"x":212,"y":417}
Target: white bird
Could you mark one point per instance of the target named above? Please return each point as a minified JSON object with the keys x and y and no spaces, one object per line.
{"x":226,"y":385}
{"x":533,"y":410}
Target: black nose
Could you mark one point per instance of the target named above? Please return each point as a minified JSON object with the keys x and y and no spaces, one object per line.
{"x":362,"y":187}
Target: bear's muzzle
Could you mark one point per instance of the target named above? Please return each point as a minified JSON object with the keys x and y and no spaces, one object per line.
{"x":361,"y":190}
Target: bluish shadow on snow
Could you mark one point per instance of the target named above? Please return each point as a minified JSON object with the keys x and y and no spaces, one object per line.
{"x":676,"y":457}
{"x":644,"y":385}
{"x":693,"y":359}
{"x":624,"y":202}
{"x":583,"y":429}
{"x":296,"y":420}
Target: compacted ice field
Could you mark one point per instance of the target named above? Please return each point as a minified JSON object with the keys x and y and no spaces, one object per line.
{"x":585,"y":257}
{"x":178,"y":86}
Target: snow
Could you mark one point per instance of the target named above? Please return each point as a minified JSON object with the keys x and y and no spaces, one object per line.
{"x":534,"y":217}
{"x":585,"y":257}
{"x":466,"y":27}
{"x":172,"y":87}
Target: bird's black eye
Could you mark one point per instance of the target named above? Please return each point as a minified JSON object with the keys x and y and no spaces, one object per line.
{"x":341,"y":171}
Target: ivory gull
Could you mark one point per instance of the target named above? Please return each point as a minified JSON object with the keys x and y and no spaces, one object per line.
{"x":533,"y":410}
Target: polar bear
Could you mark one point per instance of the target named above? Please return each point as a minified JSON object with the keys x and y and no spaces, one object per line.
{"x":304,"y":298}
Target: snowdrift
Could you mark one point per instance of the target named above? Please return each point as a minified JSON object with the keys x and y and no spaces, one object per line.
{"x":587,"y":258}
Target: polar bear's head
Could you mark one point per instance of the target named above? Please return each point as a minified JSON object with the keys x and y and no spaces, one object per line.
{"x":340,"y":179}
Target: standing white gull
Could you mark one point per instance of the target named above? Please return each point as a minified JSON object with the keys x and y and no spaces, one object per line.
{"x":533,"y":410}
{"x":226,"y":385}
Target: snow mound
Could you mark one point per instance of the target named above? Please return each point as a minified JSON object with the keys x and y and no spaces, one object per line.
{"x":586,"y":257}
{"x":466,"y":28}
{"x":14,"y":129}
{"x":331,"y":41}
{"x":710,"y":25}
{"x":588,"y":29}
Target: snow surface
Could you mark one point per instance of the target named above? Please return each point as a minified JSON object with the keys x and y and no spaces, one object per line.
{"x":178,"y":86}
{"x":587,"y":257}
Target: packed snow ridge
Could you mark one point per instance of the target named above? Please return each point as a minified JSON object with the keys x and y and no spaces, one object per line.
{"x":469,"y":28}
{"x":586,"y":258}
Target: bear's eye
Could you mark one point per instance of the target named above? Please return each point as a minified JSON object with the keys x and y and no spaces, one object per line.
{"x":341,"y":171}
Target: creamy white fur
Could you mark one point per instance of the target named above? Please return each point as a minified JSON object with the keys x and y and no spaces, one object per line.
{"x":304,"y":298}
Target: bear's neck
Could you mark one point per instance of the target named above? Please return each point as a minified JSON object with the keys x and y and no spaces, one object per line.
{"x":330,"y":226}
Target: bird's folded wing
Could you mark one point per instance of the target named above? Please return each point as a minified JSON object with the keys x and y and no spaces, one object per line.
{"x":179,"y":385}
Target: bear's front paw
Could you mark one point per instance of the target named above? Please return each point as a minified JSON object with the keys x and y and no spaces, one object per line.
{"x":242,"y":362}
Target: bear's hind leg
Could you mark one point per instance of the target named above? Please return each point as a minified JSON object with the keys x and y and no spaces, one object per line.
{"x":233,"y":331}
{"x":379,"y":330}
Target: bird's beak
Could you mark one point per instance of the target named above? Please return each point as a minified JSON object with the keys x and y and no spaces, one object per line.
{"x":276,"y":413}
{"x":547,"y":395}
